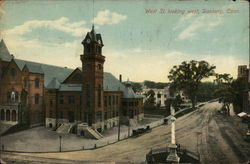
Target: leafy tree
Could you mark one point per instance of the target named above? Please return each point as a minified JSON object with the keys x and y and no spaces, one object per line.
{"x":225,"y":90}
{"x":231,"y":92}
{"x":187,"y":77}
{"x":152,"y":84}
{"x":150,"y":101}
{"x":206,"y":91}
{"x":137,"y":87}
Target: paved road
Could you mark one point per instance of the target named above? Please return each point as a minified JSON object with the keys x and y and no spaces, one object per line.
{"x":217,"y":138}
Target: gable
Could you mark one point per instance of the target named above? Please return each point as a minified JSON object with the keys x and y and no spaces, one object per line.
{"x":74,"y":78}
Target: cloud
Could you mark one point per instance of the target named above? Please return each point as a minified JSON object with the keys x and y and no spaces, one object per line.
{"x":62,"y":24}
{"x":174,"y":54}
{"x":201,"y":22}
{"x":107,"y":17}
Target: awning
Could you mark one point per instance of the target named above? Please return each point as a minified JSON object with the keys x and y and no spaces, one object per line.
{"x":242,"y":114}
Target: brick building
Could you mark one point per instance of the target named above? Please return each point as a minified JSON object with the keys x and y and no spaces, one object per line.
{"x":59,"y":96}
{"x":244,"y":73}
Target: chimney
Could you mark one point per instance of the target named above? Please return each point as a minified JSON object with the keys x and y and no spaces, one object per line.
{"x":120,"y":78}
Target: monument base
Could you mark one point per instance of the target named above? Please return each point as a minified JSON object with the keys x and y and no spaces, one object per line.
{"x":173,"y":157}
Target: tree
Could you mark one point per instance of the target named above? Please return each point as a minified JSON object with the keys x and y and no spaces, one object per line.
{"x":137,"y":87}
{"x":187,"y":77}
{"x":175,"y":102}
{"x":225,"y":90}
{"x":150,"y":100}
{"x":206,"y":91}
{"x":231,"y":92}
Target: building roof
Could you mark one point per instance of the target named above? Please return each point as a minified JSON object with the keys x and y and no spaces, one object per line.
{"x":4,"y":52}
{"x":71,"y":87}
{"x":54,"y":84}
{"x":55,"y":75}
{"x":129,"y":93}
{"x":49,"y":71}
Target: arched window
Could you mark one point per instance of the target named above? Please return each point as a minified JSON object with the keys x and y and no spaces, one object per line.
{"x":37,"y":99}
{"x":25,"y":82}
{"x":13,"y":73}
{"x":2,"y":114}
{"x":99,"y":95}
{"x":8,"y":115}
{"x":13,"y":115}
{"x":37,"y":82}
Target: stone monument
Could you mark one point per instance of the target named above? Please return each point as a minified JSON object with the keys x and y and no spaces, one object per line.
{"x":172,"y":157}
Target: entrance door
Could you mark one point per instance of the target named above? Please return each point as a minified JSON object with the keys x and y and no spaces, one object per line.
{"x":71,"y":116}
{"x":90,"y":119}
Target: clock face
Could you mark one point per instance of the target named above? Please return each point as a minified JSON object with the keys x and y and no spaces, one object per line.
{"x":99,"y":41}
{"x":88,"y":41}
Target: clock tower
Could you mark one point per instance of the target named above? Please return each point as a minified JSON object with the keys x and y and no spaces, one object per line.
{"x":92,"y":70}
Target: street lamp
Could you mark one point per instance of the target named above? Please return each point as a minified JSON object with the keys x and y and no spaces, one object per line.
{"x":60,"y":146}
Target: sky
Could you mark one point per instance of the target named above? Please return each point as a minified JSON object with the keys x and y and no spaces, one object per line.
{"x":143,"y":39}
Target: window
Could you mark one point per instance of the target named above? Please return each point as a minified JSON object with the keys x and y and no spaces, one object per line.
{"x":16,"y":96}
{"x":117,"y":99}
{"x":105,"y":100}
{"x":25,"y":81}
{"x":50,"y":113}
{"x":80,"y":101}
{"x":2,"y":114}
{"x":8,"y":115}
{"x":71,"y":99}
{"x":113,"y":100}
{"x":61,"y":98}
{"x":99,"y":66}
{"x":77,"y":77}
{"x":109,"y":100}
{"x":98,"y":116}
{"x":131,"y":103}
{"x":8,"y":96}
{"x":13,"y":115}
{"x":13,"y":73}
{"x":51,"y":102}
{"x":158,"y":95}
{"x":105,"y":116}
{"x":88,"y":49}
{"x":99,"y":95}
{"x":37,"y":99}
{"x":124,"y":103}
{"x":117,"y":113}
{"x":37,"y":82}
{"x":88,"y":90}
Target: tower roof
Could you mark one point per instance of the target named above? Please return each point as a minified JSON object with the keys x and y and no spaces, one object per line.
{"x":93,"y":36}
{"x":4,"y":52}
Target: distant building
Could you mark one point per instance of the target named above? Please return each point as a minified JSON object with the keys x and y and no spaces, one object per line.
{"x":58,"y":95}
{"x":161,"y":95}
{"x":244,"y":73}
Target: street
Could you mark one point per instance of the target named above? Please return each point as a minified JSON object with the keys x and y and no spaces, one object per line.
{"x":215,"y":137}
